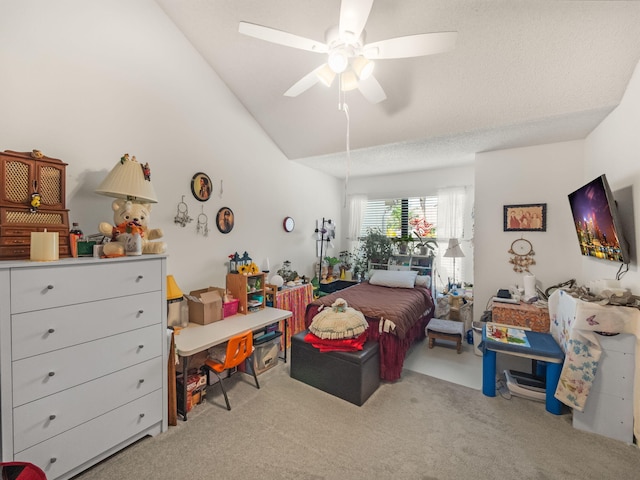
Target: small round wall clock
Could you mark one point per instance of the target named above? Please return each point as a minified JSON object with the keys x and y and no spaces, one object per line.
{"x":288,"y":224}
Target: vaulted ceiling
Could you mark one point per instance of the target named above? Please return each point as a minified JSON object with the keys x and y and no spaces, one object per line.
{"x":523,"y":72}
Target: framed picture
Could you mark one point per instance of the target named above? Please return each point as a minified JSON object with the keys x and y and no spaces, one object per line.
{"x":525,"y":218}
{"x":201,"y":186}
{"x":224,"y":220}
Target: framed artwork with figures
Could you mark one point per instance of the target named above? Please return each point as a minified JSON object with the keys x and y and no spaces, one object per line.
{"x":201,"y":186}
{"x":530,"y":217}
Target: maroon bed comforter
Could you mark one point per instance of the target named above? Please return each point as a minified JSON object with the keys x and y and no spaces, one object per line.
{"x":403,"y":311}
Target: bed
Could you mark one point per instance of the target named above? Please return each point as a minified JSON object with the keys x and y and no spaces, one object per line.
{"x":397,"y":317}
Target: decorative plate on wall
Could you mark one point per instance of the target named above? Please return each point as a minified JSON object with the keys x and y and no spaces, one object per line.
{"x":201,"y":186}
{"x":225,"y":220}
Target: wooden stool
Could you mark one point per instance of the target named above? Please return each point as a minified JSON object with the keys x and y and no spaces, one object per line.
{"x":445,"y":330}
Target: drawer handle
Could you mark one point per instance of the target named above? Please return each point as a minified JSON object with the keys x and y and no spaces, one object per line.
{"x":51,"y":330}
{"x":142,"y":415}
{"x":141,"y":346}
{"x":141,"y":380}
{"x":52,"y":417}
{"x":49,"y":287}
{"x":140,"y":312}
{"x":51,"y":374}
{"x":53,"y":460}
{"x":140,"y":277}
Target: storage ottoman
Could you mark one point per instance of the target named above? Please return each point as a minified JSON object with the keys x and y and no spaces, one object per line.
{"x":352,"y":376}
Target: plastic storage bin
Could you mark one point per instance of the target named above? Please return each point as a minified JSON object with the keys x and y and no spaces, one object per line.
{"x":477,"y":337}
{"x":267,"y":352}
{"x":230,"y":308}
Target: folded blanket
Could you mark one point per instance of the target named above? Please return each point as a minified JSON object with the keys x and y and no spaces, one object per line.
{"x":340,"y":345}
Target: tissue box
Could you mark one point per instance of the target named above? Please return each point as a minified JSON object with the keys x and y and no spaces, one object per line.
{"x":205,"y":305}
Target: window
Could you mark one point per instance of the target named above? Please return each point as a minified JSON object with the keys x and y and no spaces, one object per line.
{"x":399,"y":217}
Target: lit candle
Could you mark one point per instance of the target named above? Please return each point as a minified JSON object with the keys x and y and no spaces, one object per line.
{"x":44,"y":246}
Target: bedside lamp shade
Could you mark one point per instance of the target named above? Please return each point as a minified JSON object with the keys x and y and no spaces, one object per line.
{"x":129,"y":180}
{"x":453,"y":250}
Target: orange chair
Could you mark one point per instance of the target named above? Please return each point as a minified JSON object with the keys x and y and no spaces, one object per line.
{"x":239,"y":348}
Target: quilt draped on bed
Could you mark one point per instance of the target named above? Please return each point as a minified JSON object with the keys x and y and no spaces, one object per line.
{"x":397,"y":318}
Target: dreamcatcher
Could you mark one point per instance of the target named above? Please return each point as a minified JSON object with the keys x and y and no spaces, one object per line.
{"x":522,"y":251}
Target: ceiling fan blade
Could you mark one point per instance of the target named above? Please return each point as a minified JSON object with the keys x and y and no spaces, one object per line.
{"x":411,"y":45}
{"x":304,"y":84}
{"x":281,"y":38}
{"x":354,"y":15}
{"x":371,"y":90}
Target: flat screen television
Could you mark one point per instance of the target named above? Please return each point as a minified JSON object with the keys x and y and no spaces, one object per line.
{"x":597,"y":222}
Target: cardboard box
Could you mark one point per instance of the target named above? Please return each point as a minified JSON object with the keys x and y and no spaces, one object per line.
{"x":205,"y":305}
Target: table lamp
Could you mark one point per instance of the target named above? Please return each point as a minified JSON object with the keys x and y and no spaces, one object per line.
{"x":129,"y":180}
{"x":454,"y":251}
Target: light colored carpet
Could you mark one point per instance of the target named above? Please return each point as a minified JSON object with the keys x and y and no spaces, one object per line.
{"x":420,"y":427}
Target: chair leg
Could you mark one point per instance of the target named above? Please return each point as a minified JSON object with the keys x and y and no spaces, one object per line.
{"x":224,"y":392}
{"x":253,"y":371}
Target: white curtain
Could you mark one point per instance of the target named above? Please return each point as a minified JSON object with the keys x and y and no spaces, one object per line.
{"x":356,"y":209}
{"x":451,"y":211}
{"x":451,"y":202}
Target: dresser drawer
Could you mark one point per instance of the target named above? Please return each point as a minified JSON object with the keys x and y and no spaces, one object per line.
{"x":53,"y":372}
{"x":37,"y":421}
{"x":43,"y":331}
{"x":74,"y":447}
{"x":38,"y":288}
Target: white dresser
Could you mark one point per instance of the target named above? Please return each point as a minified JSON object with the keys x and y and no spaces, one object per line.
{"x":83,"y":359}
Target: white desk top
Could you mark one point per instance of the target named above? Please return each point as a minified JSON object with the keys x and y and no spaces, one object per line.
{"x":197,"y":338}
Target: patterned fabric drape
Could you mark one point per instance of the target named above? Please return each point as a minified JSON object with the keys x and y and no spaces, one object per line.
{"x":294,"y":299}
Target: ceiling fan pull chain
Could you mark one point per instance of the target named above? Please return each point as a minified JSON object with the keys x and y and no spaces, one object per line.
{"x":346,"y":178}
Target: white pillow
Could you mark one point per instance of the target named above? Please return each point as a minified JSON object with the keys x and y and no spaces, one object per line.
{"x":394,"y":278}
{"x":423,"y":281}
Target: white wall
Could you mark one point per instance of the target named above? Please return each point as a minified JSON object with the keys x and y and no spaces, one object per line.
{"x":88,"y":81}
{"x":540,"y":174}
{"x":613,"y":148}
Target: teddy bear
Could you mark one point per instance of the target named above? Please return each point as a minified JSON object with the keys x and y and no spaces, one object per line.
{"x":130,"y":217}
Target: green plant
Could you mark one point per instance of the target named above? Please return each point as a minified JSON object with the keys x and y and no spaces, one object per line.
{"x":347,"y":259}
{"x":427,"y":245}
{"x":332,"y":261}
{"x":376,"y":246}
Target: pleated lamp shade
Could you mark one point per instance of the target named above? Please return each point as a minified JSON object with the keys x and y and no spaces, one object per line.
{"x":129,"y":180}
{"x":453,"y":250}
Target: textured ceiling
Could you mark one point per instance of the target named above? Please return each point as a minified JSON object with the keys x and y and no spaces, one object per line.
{"x":522,"y":73}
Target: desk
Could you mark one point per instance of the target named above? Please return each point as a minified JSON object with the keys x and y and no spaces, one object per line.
{"x":543,"y":347}
{"x":197,"y":338}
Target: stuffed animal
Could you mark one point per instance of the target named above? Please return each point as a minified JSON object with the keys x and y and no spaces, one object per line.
{"x":130,"y":217}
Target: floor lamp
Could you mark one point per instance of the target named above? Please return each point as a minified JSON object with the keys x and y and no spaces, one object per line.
{"x":453,"y":251}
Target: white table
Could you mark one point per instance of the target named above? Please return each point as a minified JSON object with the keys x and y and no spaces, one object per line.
{"x":197,"y":338}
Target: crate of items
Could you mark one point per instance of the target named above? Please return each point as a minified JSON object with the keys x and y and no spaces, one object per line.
{"x":230,"y":308}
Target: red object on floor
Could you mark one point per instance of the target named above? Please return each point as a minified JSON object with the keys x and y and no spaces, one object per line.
{"x":21,"y":471}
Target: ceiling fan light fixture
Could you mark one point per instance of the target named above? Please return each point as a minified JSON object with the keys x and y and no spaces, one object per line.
{"x":326,"y":75}
{"x":363,"y":67}
{"x":348,"y":81}
{"x":338,"y":60}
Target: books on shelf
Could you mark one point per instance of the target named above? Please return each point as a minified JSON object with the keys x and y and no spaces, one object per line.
{"x":505,"y":334}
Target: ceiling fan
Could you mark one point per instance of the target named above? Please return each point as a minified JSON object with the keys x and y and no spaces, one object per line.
{"x":348,"y":56}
